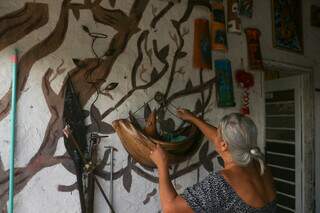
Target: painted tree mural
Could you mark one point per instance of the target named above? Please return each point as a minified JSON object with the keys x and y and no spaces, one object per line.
{"x":90,"y":74}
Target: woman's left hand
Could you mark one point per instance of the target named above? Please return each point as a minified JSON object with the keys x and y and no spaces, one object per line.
{"x":159,"y":157}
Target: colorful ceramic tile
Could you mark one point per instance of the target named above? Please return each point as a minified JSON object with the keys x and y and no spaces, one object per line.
{"x":246,"y":8}
{"x":254,"y":51}
{"x":224,"y":83}
{"x":202,"y":46}
{"x":234,"y":21}
{"x":287,"y":25}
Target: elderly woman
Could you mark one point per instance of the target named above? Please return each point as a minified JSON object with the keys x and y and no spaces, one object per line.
{"x":244,"y":185}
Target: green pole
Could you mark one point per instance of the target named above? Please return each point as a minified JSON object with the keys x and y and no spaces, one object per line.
{"x":12,"y":127}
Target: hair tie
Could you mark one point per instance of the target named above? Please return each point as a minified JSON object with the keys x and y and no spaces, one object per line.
{"x":254,"y":151}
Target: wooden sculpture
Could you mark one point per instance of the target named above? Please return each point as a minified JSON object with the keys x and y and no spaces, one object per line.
{"x":202,"y":47}
{"x":234,"y":21}
{"x":254,"y":51}
{"x":218,"y":27}
{"x":139,"y":143}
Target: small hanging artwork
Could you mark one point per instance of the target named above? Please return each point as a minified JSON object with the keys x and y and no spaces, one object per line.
{"x":254,"y":51}
{"x":202,"y":47}
{"x":234,"y":21}
{"x":218,"y":27}
{"x":287,"y":25}
{"x":245,"y":8}
{"x":224,"y":85}
{"x":315,"y":16}
{"x":245,"y":80}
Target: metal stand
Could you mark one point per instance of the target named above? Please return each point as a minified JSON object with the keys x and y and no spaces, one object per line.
{"x":112,"y":149}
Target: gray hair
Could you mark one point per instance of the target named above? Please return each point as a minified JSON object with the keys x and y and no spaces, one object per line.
{"x":240,"y":133}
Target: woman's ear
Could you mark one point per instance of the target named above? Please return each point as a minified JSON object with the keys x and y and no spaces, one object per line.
{"x":223,"y":146}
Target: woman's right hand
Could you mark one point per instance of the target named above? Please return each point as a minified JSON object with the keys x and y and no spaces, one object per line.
{"x":185,"y":114}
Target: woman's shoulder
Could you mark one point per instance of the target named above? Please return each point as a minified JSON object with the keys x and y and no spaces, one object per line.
{"x":209,"y":195}
{"x":213,"y":186}
{"x":219,"y":187}
{"x":252,"y":188}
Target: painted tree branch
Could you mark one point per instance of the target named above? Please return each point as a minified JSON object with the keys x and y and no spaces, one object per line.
{"x":177,"y":25}
{"x":16,"y":25}
{"x":191,"y":5}
{"x":116,"y":19}
{"x":145,"y":86}
{"x":139,"y":59}
{"x":42,"y":49}
{"x":44,"y":157}
{"x":175,"y":58}
{"x":157,"y":18}
{"x":193,"y":90}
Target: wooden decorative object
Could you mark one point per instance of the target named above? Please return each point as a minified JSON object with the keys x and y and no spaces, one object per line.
{"x":246,"y":8}
{"x":234,"y":21}
{"x":218,"y":27}
{"x":254,"y":51}
{"x":151,"y":125}
{"x":202,"y":47}
{"x":224,"y":85}
{"x":138,"y":144}
{"x":287,"y":25}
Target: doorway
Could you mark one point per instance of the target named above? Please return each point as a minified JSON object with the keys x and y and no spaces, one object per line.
{"x":283,"y":140}
{"x":295,"y":182}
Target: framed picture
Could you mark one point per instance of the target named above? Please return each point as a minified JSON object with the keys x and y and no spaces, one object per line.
{"x":287,"y":25}
{"x":315,"y":16}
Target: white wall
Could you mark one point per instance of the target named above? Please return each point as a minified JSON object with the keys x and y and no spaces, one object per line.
{"x":40,"y":194}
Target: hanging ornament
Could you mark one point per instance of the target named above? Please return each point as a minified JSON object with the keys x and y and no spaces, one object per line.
{"x":245,"y":80}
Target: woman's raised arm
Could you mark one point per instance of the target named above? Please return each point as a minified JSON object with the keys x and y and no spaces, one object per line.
{"x":208,"y":130}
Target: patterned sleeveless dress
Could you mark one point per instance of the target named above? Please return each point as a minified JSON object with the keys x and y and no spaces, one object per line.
{"x":215,"y":195}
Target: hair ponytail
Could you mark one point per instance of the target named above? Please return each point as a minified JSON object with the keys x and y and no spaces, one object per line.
{"x":256,"y":154}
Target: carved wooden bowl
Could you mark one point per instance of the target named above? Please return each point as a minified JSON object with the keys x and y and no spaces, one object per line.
{"x":139,"y":145}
